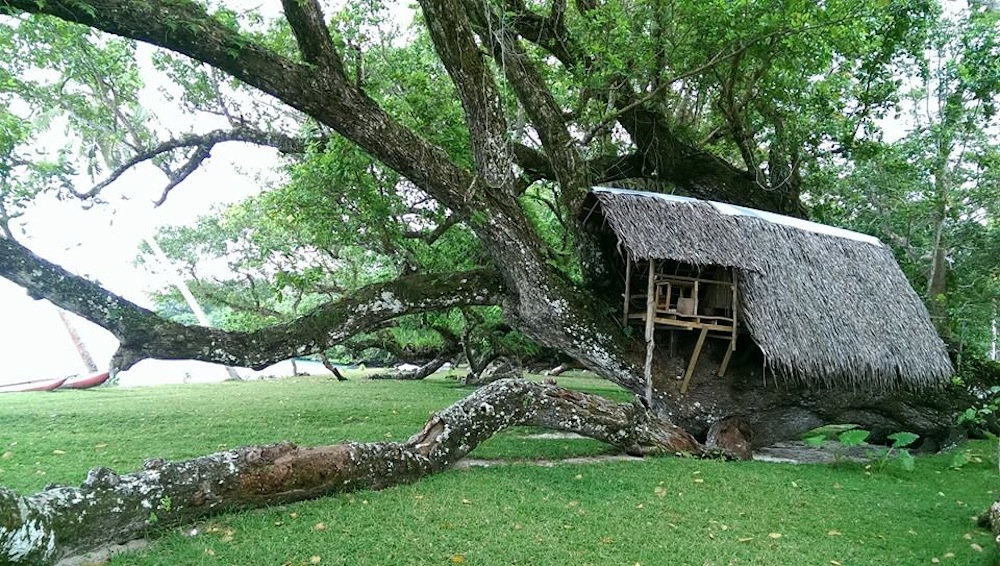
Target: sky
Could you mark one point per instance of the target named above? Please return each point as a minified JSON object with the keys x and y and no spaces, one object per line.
{"x":101,"y":244}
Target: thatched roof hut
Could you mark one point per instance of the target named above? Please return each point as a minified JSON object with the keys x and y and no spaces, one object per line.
{"x":826,"y":306}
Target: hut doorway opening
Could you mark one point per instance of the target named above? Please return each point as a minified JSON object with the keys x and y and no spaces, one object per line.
{"x":666,"y":295}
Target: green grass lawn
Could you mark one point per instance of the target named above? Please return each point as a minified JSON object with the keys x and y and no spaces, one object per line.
{"x":665,"y":511}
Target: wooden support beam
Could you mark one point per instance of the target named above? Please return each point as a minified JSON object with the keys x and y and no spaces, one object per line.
{"x":650,"y":326}
{"x":727,"y":357}
{"x":628,"y":286}
{"x":694,"y":359}
{"x":692,"y":325}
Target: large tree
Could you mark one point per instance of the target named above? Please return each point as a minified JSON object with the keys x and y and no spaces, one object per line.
{"x":515,"y":109}
{"x":731,"y":101}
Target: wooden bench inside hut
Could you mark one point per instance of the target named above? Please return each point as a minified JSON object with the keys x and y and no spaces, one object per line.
{"x":684,"y":298}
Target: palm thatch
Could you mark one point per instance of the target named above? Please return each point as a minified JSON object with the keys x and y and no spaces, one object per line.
{"x":826,"y":306}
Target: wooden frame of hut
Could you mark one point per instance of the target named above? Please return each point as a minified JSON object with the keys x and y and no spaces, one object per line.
{"x":825,"y":306}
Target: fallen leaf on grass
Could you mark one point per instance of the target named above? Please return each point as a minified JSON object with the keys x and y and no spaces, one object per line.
{"x":457,"y":559}
{"x":466,"y":502}
{"x":976,"y":547}
{"x":699,"y":480}
{"x":744,"y":539}
{"x":7,"y":455}
{"x":833,"y":533}
{"x":949,"y":554}
{"x":935,"y":560}
{"x":315,"y":559}
{"x":319,"y":527}
{"x":101,"y":445}
{"x":835,"y":563}
{"x":775,"y":535}
{"x":660,"y":491}
{"x":209,"y":552}
{"x":58,"y":452}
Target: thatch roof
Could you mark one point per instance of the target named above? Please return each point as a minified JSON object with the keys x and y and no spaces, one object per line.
{"x":826,"y":306}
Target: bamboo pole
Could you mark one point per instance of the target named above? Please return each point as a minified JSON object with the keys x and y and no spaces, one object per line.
{"x":74,"y":336}
{"x":176,"y":280}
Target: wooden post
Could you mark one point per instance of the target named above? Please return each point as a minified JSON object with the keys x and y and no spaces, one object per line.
{"x":727,"y":357}
{"x":736,"y":305}
{"x":694,"y":359}
{"x":732,"y":340}
{"x":650,"y":321}
{"x":628,"y":286}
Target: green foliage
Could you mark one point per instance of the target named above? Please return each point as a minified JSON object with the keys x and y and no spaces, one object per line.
{"x":854,"y":437}
{"x":983,"y":416}
{"x":932,"y":194}
{"x":878,"y":458}
{"x":895,"y":451}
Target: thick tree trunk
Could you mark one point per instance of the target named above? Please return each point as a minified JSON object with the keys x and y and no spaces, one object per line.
{"x":143,"y":334}
{"x":772,"y":411}
{"x":41,"y":529}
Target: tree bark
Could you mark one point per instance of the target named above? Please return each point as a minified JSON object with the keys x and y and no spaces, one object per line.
{"x":994,"y":514}
{"x":107,"y":508}
{"x":143,"y":334}
{"x":422,"y":371}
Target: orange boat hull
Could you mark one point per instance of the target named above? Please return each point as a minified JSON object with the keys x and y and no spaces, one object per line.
{"x":86,"y":381}
{"x":41,"y":385}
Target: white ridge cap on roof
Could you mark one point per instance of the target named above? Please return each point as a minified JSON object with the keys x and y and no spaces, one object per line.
{"x":734,"y":210}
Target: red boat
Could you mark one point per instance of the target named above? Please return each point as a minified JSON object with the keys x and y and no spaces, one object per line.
{"x":39,"y":385}
{"x":86,"y":381}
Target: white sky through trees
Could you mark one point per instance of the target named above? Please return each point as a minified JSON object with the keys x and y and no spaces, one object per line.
{"x":102,"y":243}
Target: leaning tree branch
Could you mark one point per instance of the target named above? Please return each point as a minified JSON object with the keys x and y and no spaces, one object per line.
{"x":548,"y":32}
{"x":535,"y":97}
{"x":185,"y":27}
{"x":455,"y":43}
{"x":107,"y":508}
{"x":309,"y":26}
{"x":176,"y":178}
{"x":144,"y":334}
{"x":203,"y":143}
{"x":641,"y":101}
